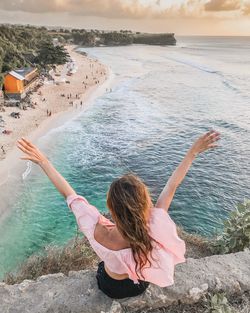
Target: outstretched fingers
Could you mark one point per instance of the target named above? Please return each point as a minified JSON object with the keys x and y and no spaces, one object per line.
{"x":30,"y":158}
{"x":212,"y":140}
{"x":212,"y":136}
{"x":207,"y":134}
{"x":22,"y":144}
{"x":207,"y":141}
{"x":27,"y":142}
{"x":31,"y":152}
{"x":22,"y":148}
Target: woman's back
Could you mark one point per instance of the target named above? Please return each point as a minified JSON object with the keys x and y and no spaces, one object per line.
{"x":143,"y":243}
{"x":168,"y":248}
{"x":108,"y":236}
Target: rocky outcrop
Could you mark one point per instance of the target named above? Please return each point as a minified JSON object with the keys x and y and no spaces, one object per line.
{"x":155,"y":39}
{"x":78,"y":292}
{"x":110,"y":39}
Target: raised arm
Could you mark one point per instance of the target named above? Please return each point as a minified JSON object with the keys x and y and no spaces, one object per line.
{"x":33,"y":154}
{"x":205,"y":142}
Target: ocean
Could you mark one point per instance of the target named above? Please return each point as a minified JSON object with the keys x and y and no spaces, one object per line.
{"x":160,"y":100}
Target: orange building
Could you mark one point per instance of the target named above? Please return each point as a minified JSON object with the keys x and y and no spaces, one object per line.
{"x":17,"y":82}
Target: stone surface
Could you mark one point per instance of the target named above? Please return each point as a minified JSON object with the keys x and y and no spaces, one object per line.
{"x":78,"y":292}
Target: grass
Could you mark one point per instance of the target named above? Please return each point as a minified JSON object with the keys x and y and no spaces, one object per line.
{"x":197,"y":246}
{"x":78,"y":255}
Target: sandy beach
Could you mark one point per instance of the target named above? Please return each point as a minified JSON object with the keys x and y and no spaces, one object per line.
{"x":88,"y":75}
{"x":65,"y":94}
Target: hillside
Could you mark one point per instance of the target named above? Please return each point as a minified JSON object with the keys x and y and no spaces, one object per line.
{"x":19,"y":45}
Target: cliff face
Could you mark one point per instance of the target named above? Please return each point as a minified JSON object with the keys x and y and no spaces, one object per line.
{"x":91,"y":39}
{"x":78,"y":292}
{"x":155,"y":39}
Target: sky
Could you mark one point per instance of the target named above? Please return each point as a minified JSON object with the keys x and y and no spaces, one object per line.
{"x":182,"y":17}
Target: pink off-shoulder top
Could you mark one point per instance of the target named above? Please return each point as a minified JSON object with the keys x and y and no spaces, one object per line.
{"x":168,"y":248}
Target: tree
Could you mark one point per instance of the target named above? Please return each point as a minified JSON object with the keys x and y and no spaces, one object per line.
{"x":48,"y":54}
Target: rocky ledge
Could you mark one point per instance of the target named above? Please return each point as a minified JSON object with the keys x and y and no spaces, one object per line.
{"x":78,"y":292}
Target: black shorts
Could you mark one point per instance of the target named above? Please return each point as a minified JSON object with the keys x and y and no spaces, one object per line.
{"x":118,"y":289}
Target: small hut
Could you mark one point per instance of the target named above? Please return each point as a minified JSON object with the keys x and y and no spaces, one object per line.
{"x":18,"y":82}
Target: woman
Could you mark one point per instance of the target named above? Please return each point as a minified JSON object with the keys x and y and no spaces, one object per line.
{"x":142,"y":245}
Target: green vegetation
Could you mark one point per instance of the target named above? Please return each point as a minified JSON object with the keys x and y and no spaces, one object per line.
{"x":27,"y":45}
{"x":154,"y":39}
{"x":114,"y":38}
{"x":236,"y":233}
{"x":218,"y":303}
{"x":48,"y":54}
{"x":22,"y":46}
{"x":18,"y":45}
{"x":94,"y":37}
{"x":76,"y":255}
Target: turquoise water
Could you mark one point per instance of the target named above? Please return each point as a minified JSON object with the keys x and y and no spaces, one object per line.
{"x":162,"y":98}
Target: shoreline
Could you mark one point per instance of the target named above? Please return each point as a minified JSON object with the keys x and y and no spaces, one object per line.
{"x":64,"y":112}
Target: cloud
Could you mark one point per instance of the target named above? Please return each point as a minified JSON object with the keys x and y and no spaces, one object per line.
{"x":86,"y":7}
{"x":104,"y":8}
{"x":222,"y":5}
{"x":246,"y":9}
{"x":134,"y":9}
{"x":109,"y":8}
{"x":34,"y":6}
{"x":126,"y":9}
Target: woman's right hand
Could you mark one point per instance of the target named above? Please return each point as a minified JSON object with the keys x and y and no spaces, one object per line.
{"x":205,"y":142}
{"x":32,"y":153}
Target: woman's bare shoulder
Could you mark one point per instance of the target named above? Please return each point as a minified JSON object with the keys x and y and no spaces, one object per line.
{"x":109,"y":237}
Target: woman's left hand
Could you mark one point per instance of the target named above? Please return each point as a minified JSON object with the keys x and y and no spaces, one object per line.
{"x":32,"y":153}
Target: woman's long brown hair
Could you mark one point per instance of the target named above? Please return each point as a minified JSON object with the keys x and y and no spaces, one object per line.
{"x":128,"y":200}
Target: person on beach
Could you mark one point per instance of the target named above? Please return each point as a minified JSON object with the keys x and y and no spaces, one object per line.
{"x":3,"y":150}
{"x":141,"y":246}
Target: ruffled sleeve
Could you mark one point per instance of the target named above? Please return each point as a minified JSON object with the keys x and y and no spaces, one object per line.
{"x":86,"y":215}
{"x":163,"y":230}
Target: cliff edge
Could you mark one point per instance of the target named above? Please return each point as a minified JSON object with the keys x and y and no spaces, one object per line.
{"x":78,"y":292}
